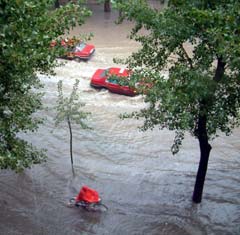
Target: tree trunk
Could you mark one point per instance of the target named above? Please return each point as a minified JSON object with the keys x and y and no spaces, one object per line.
{"x":107,"y":7}
{"x":57,"y":4}
{"x":202,"y":135}
{"x":70,"y":131}
{"x":205,"y":149}
{"x":120,"y":13}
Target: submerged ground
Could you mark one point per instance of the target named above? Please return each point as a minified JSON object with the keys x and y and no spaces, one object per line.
{"x":148,"y":191}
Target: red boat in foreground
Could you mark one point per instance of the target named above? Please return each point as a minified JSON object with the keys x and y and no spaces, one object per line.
{"x":113,"y":80}
{"x":88,"y":199}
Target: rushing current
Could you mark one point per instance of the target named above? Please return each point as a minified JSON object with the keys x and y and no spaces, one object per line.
{"x":147,"y":189}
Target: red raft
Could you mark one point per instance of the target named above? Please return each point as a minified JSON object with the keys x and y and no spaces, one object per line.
{"x":88,"y":199}
{"x":88,"y":195}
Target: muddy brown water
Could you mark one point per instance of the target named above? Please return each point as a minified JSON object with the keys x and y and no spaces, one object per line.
{"x":148,"y":191}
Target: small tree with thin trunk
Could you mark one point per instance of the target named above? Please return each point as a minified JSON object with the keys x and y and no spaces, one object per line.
{"x":68,"y":110}
{"x":201,"y":94}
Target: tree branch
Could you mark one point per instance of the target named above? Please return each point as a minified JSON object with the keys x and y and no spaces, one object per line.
{"x":187,"y":56}
{"x":220,"y":69}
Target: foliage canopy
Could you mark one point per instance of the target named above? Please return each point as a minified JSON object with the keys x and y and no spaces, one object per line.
{"x":198,"y":43}
{"x":27,"y":28}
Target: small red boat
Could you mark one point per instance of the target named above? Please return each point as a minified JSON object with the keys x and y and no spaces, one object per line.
{"x":76,"y":49}
{"x":113,"y":80}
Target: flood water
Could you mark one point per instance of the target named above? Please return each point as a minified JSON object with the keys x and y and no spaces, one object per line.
{"x":148,"y":191}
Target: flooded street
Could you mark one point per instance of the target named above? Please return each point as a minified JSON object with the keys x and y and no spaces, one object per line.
{"x":147,"y":189}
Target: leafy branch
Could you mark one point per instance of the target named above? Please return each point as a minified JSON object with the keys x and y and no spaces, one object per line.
{"x":68,"y":109}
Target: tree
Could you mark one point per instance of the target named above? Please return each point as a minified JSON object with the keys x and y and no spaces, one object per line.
{"x":57,"y":4}
{"x":107,"y":7}
{"x":201,"y":94}
{"x":27,"y":28}
{"x":68,"y":109}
